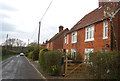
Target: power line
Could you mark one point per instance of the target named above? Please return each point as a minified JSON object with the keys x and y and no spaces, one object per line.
{"x":41,"y":20}
{"x":34,"y":33}
{"x":46,"y":10}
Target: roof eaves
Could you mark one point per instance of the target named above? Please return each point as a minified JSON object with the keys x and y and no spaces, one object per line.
{"x":89,"y":25}
{"x":57,"y":35}
{"x":94,"y":23}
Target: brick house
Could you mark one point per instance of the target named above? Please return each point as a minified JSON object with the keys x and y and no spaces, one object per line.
{"x":43,"y":45}
{"x":97,"y":31}
{"x":56,"y":42}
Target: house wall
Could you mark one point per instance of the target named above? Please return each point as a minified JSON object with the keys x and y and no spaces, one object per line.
{"x":67,"y":46}
{"x":50,"y":45}
{"x":118,"y":30}
{"x":58,"y":42}
{"x":43,"y":46}
{"x":97,"y":44}
{"x":116,"y":25}
{"x":100,"y":43}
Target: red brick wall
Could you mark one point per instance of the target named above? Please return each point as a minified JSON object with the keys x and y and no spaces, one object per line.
{"x":43,"y":46}
{"x":118,"y":30}
{"x":70,"y":45}
{"x":58,"y":42}
{"x":50,"y":45}
{"x":116,"y":25}
{"x":98,"y":43}
{"x":67,"y":46}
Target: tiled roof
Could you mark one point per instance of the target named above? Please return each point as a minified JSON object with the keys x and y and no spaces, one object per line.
{"x":57,"y":35}
{"x":96,"y":15}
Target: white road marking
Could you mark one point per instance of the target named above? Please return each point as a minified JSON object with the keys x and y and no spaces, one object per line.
{"x":36,"y":69}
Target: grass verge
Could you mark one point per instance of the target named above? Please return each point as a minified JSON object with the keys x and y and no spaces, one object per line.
{"x":7,"y":56}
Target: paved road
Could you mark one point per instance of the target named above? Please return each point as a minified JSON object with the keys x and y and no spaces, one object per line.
{"x":18,"y":67}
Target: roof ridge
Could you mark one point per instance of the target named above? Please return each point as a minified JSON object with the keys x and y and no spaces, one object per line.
{"x":57,"y":35}
{"x":95,"y":16}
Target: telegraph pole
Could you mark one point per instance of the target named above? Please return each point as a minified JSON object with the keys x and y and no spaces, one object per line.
{"x":6,"y":40}
{"x":6,"y":44}
{"x":28,"y":42}
{"x":41,"y":20}
{"x":39,"y":32}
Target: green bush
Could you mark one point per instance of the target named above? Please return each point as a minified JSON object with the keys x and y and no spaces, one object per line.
{"x":43,"y":50}
{"x":41,"y":55}
{"x":9,"y":52}
{"x":104,"y":65}
{"x":30,"y":55}
{"x":35,"y":54}
{"x":50,"y":61}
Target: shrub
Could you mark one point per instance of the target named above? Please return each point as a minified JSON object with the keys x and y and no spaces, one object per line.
{"x":43,"y":50}
{"x":9,"y":52}
{"x":104,"y":65}
{"x":35,"y":54}
{"x":50,"y":61}
{"x":30,"y":55}
{"x":41,"y":55}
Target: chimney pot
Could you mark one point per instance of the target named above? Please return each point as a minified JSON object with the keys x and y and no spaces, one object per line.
{"x":60,"y":28}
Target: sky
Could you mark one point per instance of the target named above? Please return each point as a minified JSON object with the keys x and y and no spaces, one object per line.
{"x":20,"y":18}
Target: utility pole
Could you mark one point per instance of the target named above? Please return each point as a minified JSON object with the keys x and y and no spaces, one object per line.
{"x":39,"y":32}
{"x":6,"y":43}
{"x":6,"y":40}
{"x":28,"y":42}
{"x":41,"y":20}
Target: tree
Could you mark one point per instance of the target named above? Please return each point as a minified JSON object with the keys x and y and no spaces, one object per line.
{"x":14,"y":43}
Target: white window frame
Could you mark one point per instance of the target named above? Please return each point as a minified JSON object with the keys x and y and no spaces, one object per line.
{"x":66,"y":39}
{"x":89,"y":33}
{"x":105,"y":30}
{"x":74,"y":37}
{"x":73,"y":53}
{"x":66,"y":50}
{"x":86,"y":56}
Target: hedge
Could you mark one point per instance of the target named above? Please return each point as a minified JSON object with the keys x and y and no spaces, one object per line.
{"x":35,"y":54}
{"x":50,"y":61}
{"x":104,"y":65}
{"x":30,"y":55}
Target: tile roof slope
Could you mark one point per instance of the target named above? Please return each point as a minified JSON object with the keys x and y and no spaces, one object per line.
{"x":57,"y":35}
{"x":96,"y":15}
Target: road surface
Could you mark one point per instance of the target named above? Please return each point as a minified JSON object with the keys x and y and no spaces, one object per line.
{"x":18,"y":67}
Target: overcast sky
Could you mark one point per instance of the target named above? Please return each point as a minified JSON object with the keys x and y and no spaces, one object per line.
{"x":20,"y":18}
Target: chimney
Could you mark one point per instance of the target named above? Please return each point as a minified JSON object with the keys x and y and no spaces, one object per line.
{"x":103,"y":2}
{"x":60,"y":28}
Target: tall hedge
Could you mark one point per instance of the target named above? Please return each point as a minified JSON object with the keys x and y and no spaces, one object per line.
{"x":9,"y":52}
{"x":36,"y":54}
{"x":104,"y":65}
{"x":50,"y":61}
